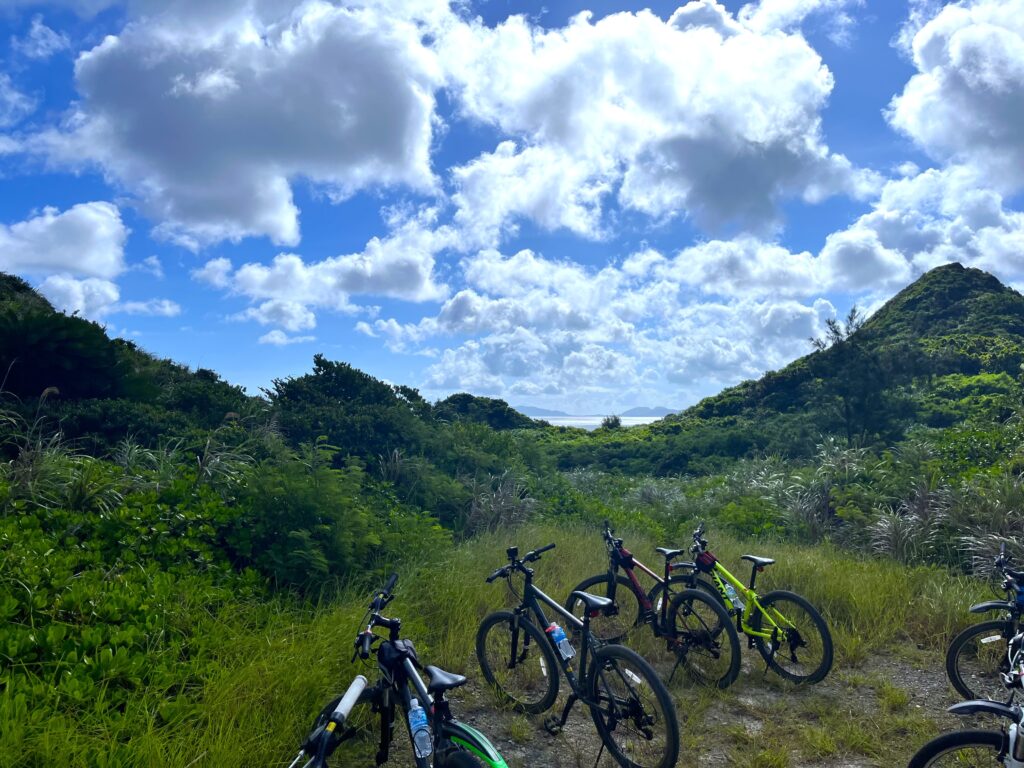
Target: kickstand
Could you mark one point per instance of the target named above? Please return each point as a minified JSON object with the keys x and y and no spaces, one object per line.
{"x":599,"y":753}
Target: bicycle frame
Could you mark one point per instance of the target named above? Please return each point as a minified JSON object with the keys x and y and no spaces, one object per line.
{"x":622,"y":558}
{"x":776,"y":620}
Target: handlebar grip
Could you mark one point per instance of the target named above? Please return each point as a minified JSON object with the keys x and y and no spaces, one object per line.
{"x":496,"y":575}
{"x":543,"y":549}
{"x":391,"y":584}
{"x":341,"y":712}
{"x":365,"y":642}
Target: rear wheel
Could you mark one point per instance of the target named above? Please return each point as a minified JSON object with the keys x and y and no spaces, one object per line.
{"x":517,"y":660}
{"x":800,"y":645}
{"x":977,"y":656}
{"x":702,"y":640}
{"x":621,"y":618}
{"x":632,"y":709}
{"x":964,"y":749}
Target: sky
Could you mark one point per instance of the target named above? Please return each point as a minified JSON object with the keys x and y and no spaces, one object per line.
{"x":584,"y":206}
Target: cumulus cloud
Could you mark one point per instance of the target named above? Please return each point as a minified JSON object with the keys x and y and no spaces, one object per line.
{"x":91,"y":297}
{"x":209,"y":116}
{"x":87,"y":239}
{"x":154,"y":307}
{"x":700,"y":115}
{"x":280,"y":338}
{"x":41,"y":42}
{"x":966,"y":104}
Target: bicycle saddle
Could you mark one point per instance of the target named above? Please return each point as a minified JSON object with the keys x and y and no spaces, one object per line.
{"x":668,"y":553}
{"x":760,"y":562}
{"x":443,"y":681}
{"x":593,"y":602}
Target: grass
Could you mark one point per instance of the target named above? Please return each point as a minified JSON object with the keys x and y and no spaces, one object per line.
{"x":266,"y":669}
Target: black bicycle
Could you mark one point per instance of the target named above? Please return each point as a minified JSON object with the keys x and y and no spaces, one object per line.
{"x":978,"y":657}
{"x":631,"y":708}
{"x":977,"y":748}
{"x":438,"y":739}
{"x":690,"y":628}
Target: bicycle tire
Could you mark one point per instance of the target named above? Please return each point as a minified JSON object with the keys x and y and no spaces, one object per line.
{"x":951,"y":743}
{"x":655,"y":595}
{"x":973,"y":665}
{"x":457,"y":758}
{"x":814,"y":625}
{"x":531,"y":690}
{"x":704,"y":638}
{"x":617,"y":683}
{"x":711,"y":589}
{"x":608,"y":629}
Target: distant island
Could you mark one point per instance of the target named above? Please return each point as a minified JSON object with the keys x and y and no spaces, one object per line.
{"x":537,"y":413}
{"x":659,"y":410}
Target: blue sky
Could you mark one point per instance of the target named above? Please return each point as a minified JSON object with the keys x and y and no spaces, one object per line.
{"x":582,"y":206}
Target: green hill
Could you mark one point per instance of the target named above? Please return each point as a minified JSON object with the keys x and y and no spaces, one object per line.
{"x":947,"y":348}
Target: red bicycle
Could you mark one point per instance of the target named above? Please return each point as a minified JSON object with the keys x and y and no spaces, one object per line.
{"x":690,"y":628}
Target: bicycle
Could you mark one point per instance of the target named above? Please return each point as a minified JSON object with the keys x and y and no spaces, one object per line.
{"x":978,"y":655}
{"x":696,"y":628}
{"x":782,"y":625}
{"x":978,"y":747}
{"x":631,"y":709}
{"x":444,"y":742}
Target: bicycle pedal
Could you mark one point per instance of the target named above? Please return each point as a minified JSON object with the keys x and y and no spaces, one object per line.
{"x":553,"y":725}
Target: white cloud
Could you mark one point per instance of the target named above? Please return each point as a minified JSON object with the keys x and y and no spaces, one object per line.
{"x":966,"y":104}
{"x":215,"y":272}
{"x":41,"y":42}
{"x":699,"y":115}
{"x":87,"y":239}
{"x":280,"y":338}
{"x":209,"y":113}
{"x":769,"y":15}
{"x":15,"y":106}
{"x":290,"y":315}
{"x":155,"y":307}
{"x":152,"y":265}
{"x":90,"y":297}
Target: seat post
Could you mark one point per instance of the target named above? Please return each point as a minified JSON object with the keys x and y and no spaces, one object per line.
{"x":753,"y":575}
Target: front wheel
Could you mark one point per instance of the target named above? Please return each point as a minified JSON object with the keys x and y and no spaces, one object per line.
{"x":457,"y":758}
{"x":632,"y":709}
{"x":799,"y":645}
{"x":962,"y":748}
{"x":517,"y":660}
{"x":977,"y":656}
{"x":624,"y":614}
{"x":702,"y":638}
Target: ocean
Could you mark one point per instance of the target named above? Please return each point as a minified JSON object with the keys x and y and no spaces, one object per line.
{"x":593,"y":422}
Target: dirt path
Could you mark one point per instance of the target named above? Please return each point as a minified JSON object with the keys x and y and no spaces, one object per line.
{"x":873,"y":713}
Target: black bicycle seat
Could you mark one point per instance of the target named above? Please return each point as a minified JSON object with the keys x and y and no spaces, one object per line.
{"x":593,"y":602}
{"x":668,"y":553}
{"x":443,"y":681}
{"x":760,"y":562}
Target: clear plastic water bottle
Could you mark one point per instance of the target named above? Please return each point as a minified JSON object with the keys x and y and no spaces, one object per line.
{"x":734,"y":598}
{"x":561,"y":641}
{"x":421,"y":740}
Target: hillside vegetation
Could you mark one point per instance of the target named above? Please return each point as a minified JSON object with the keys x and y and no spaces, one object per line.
{"x":182,"y":565}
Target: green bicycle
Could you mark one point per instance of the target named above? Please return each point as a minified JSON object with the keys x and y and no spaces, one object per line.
{"x":788,"y":632}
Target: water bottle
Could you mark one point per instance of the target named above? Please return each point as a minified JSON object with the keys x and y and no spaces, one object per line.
{"x":561,"y":641}
{"x":421,"y":740}
{"x":734,"y":598}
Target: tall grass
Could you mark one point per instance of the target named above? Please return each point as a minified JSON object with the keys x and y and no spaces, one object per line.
{"x":265,"y":668}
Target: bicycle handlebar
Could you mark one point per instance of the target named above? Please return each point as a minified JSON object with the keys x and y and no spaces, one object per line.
{"x":390,"y":585}
{"x":516,"y":564}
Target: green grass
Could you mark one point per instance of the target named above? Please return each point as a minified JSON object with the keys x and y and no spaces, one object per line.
{"x":249,"y":693}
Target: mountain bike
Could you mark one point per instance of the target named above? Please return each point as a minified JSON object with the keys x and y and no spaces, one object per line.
{"x":631,"y":709}
{"x":983,"y":748}
{"x":978,"y":655}
{"x":696,"y":630}
{"x":788,"y":632}
{"x":438,"y":739}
